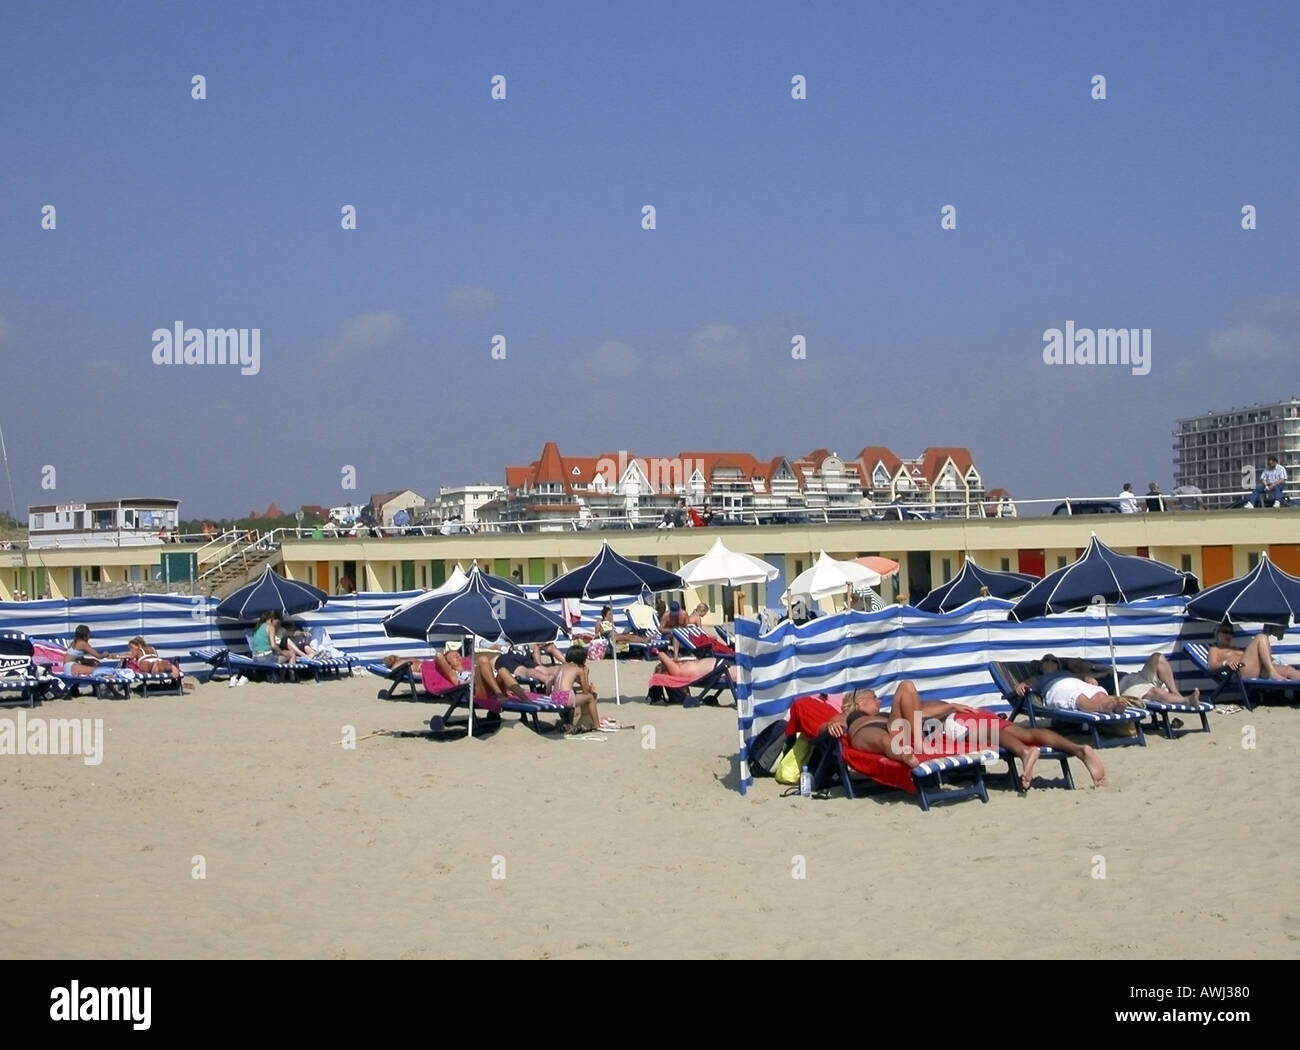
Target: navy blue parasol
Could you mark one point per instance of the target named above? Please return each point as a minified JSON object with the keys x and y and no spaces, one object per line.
{"x":479,"y":607}
{"x":967,"y":586}
{"x":609,"y":574}
{"x":1266,"y":594}
{"x":1105,"y":576}
{"x":271,"y":592}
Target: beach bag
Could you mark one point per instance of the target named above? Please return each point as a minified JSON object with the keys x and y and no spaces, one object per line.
{"x":597,"y":648}
{"x":793,"y":761}
{"x":673,"y":694}
{"x":766,"y":749}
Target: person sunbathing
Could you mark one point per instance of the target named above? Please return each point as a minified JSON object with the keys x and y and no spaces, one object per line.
{"x":296,"y":640}
{"x":265,"y":646}
{"x":573,"y":688}
{"x":688,"y":667}
{"x":676,"y":616}
{"x":868,"y":729}
{"x":443,"y":672}
{"x":141,"y":656}
{"x":526,"y":660}
{"x":1155,"y":682}
{"x":608,"y":630}
{"x":1256,"y":660}
{"x":82,"y":658}
{"x":1067,"y":691}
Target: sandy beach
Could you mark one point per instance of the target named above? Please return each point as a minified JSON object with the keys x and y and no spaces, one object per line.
{"x":622,"y":845}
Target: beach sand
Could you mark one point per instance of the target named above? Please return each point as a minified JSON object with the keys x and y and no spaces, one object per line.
{"x":619,"y":845}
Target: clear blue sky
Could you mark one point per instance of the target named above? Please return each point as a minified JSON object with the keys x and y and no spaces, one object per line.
{"x":522,"y":217}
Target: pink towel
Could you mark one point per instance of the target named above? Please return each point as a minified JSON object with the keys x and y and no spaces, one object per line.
{"x":672,"y":681}
{"x":48,"y":654}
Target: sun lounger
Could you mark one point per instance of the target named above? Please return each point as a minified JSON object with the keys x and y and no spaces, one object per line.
{"x":1253,"y":690}
{"x":227,"y":664}
{"x":111,"y":680}
{"x":1006,"y":684}
{"x":22,"y":681}
{"x":319,"y":667}
{"x":1009,"y":674}
{"x":925,"y":781}
{"x":697,"y":642}
{"x":712,"y":683}
{"x":641,"y":620}
{"x":527,"y":710}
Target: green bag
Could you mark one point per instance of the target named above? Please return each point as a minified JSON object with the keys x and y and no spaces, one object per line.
{"x":793,"y":761}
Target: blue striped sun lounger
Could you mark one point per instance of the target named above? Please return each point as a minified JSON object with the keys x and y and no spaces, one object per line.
{"x":1090,"y":722}
{"x":928,"y":777}
{"x":112,"y":680}
{"x":226,"y":664}
{"x":1253,"y":690}
{"x":527,"y":710}
{"x":22,"y":681}
{"x":27,"y":690}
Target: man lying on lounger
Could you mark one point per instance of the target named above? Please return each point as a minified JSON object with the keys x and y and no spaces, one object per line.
{"x":687,"y":667}
{"x":1155,"y":682}
{"x":1066,"y":692}
{"x":1255,"y":661}
{"x":868,"y":729}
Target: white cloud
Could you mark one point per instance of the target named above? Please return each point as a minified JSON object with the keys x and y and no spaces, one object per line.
{"x":1246,"y":342}
{"x":719,"y":344}
{"x":611,"y":360}
{"x":471,"y":299}
{"x":365,"y":332}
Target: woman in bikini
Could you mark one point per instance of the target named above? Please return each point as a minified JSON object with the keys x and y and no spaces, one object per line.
{"x":572,"y":688}
{"x":868,"y":729}
{"x":141,"y":656}
{"x":81,"y":657}
{"x":608,"y":630}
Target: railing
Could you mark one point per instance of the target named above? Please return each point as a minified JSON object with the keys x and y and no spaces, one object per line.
{"x":256,"y":547}
{"x":1056,"y":506}
{"x":218,"y":547}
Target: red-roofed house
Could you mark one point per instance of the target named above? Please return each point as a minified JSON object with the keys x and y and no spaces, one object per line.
{"x":566,"y":489}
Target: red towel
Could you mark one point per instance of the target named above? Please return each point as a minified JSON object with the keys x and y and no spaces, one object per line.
{"x":808,"y":715}
{"x":880,"y":768}
{"x":892,"y":772}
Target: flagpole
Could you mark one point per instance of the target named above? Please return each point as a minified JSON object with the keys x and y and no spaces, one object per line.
{"x":4,"y":454}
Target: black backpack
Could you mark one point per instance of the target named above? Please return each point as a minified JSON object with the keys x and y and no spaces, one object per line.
{"x":766,"y":749}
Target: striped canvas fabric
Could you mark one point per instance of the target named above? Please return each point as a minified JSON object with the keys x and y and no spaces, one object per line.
{"x":947,"y":655}
{"x":175,"y":624}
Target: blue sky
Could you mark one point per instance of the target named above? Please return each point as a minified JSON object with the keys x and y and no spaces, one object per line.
{"x":775,"y":217}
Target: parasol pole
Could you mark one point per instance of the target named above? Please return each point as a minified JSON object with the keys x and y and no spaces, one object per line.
{"x":1114,"y":663}
{"x":613,"y":651}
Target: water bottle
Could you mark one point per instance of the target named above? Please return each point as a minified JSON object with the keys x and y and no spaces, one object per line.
{"x":805,"y":783}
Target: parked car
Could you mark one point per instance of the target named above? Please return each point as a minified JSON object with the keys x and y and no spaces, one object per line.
{"x":897,"y":513}
{"x":1087,"y":506}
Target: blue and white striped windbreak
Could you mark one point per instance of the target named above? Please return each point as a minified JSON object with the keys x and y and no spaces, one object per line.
{"x":175,"y":624}
{"x":946,"y":655}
